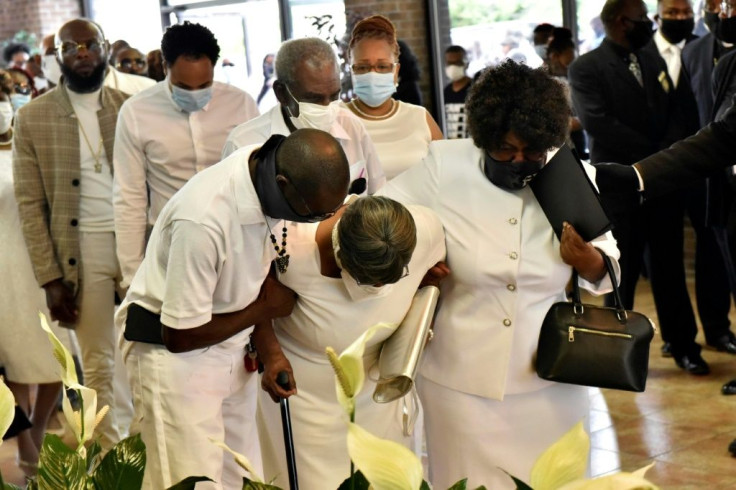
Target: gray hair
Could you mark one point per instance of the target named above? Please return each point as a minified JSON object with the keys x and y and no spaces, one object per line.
{"x":312,"y":50}
{"x":377,"y":237}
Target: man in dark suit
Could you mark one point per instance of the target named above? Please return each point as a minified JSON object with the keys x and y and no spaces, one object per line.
{"x":674,"y":34}
{"x":625,"y":101}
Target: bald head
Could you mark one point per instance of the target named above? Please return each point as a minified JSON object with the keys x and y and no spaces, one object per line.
{"x":316,"y":164}
{"x":82,"y":54}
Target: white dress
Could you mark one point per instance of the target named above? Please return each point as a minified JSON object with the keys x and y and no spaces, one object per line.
{"x":25,"y":349}
{"x":402,"y":140}
{"x":324,"y":316}
{"x":484,"y":406}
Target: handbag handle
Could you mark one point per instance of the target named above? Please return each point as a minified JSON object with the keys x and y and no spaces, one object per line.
{"x":578,"y":308}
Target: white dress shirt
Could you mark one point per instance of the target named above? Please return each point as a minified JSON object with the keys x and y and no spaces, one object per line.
{"x":158,"y":148}
{"x":126,"y":82}
{"x":347,"y":129}
{"x":672,"y":55}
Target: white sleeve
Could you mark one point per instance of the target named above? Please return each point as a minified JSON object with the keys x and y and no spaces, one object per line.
{"x":418,"y":184}
{"x":130,"y":195}
{"x":191,"y":275}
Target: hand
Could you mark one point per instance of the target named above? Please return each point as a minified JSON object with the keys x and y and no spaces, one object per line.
{"x":61,"y":303}
{"x":579,"y":254}
{"x":269,"y":378}
{"x":435,"y":275}
{"x":614,"y":178}
{"x":276,"y":299}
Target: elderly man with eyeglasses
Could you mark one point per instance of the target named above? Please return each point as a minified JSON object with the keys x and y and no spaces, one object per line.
{"x":62,"y":163}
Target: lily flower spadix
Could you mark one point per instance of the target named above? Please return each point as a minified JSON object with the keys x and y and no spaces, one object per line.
{"x":242,"y":461}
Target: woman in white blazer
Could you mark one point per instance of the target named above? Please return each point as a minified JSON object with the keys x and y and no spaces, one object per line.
{"x":485,"y":407}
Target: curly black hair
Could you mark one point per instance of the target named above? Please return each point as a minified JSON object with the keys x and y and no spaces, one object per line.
{"x":514,"y":97}
{"x":13,"y":48}
{"x":189,"y":40}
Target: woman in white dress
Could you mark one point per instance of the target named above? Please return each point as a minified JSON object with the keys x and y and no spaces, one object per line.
{"x":352,"y":271}
{"x":401,"y":132}
{"x":485,"y":408}
{"x":25,"y":350}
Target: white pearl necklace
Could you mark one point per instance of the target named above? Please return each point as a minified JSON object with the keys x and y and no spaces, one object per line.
{"x":370,"y":116}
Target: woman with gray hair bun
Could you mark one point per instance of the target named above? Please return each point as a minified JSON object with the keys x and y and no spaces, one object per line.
{"x":358,"y":268}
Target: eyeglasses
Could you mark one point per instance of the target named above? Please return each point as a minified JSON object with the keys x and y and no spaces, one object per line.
{"x":311,"y":217}
{"x":22,"y":89}
{"x":506,"y":154}
{"x":128,"y":63}
{"x":403,"y":275}
{"x":70,"y":48}
{"x":362,"y":69}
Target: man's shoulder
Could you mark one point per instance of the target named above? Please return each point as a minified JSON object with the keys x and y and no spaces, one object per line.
{"x":254,"y":130}
{"x":227,"y":90}
{"x":694,"y":49}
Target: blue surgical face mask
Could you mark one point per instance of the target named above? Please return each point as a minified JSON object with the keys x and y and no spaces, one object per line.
{"x":373,"y":88}
{"x":191,"y":100}
{"x":19,"y":100}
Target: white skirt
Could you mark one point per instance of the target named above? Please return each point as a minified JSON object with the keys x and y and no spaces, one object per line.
{"x":474,"y":437}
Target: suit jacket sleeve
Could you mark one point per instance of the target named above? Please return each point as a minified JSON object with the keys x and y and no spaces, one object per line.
{"x":33,"y":207}
{"x":593,"y":108}
{"x":713,"y":148}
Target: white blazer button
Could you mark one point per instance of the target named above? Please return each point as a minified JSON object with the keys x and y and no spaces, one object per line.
{"x":512,"y":221}
{"x":511,"y":287}
{"x":513,"y":256}
{"x":506,"y":322}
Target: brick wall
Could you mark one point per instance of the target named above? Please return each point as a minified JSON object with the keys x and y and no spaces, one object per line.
{"x":412,"y":26}
{"x":41,"y":17}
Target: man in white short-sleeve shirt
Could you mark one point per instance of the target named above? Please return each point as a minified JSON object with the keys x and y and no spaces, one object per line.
{"x":307,"y":87}
{"x":202,"y":284}
{"x":168,"y":133}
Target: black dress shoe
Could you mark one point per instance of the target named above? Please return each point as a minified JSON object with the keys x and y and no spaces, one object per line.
{"x":666,"y":349}
{"x":732,"y":448}
{"x":693,"y":364}
{"x":729,"y":388}
{"x":725,"y":344}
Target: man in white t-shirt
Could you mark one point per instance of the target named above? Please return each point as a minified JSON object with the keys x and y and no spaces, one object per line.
{"x":202,"y":285}
{"x":307,"y":87}
{"x":169,"y":133}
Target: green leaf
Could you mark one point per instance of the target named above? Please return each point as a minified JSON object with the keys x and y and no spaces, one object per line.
{"x":92,"y":455}
{"x":254,"y":485}
{"x":188,"y":483}
{"x":122,"y":467}
{"x":461,"y":485}
{"x":60,"y":467}
{"x":360,"y":483}
{"x":425,"y":486}
{"x":483,"y":487}
{"x":520,"y":485}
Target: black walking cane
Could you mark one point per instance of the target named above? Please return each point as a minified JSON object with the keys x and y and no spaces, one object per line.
{"x":282,"y":379}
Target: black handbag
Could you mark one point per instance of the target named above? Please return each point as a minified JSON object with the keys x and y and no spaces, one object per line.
{"x":595,"y":345}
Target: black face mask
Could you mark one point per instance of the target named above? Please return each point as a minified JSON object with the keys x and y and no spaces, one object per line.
{"x":726,"y":30}
{"x":272,"y":200}
{"x":675,"y":30}
{"x":640,"y":34}
{"x":711,"y":21}
{"x":511,"y":175}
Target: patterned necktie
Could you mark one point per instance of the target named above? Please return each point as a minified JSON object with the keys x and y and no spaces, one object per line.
{"x":635,"y":69}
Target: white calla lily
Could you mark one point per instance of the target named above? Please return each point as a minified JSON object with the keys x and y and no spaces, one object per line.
{"x":7,"y":408}
{"x":563,"y":462}
{"x":242,"y":461}
{"x":348,"y":366}
{"x":62,"y":355}
{"x":83,"y":422}
{"x":618,"y":481}
{"x":387,"y":465}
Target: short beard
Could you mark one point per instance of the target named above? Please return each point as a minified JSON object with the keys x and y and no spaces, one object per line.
{"x":84,"y":84}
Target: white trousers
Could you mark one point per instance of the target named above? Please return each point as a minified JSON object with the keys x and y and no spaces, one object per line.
{"x":184,"y":400}
{"x":97,"y":337}
{"x":474,"y":437}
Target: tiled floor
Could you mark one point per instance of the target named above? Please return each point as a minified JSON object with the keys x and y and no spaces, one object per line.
{"x":681,"y":422}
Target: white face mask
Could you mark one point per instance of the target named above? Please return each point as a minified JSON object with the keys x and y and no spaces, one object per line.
{"x":51,"y":69}
{"x":6,"y":116}
{"x":314,"y":116}
{"x":454,"y":72}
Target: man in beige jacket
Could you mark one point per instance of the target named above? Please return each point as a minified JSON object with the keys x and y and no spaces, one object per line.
{"x":62,"y":164}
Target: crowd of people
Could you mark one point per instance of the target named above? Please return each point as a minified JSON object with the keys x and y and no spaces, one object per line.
{"x":154,"y":213}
